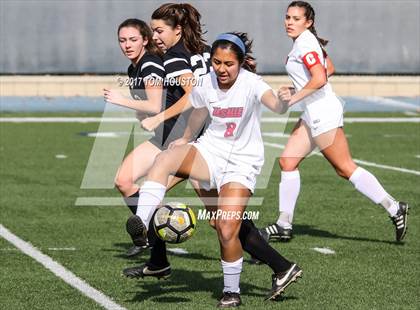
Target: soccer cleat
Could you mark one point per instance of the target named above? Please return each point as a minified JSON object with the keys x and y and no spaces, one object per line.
{"x":147,"y":270}
{"x":276,"y":232}
{"x":400,"y":221}
{"x":137,"y":230}
{"x":283,"y":280}
{"x":229,"y":300}
{"x":134,"y":250}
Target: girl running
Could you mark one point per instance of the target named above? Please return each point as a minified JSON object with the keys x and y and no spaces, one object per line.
{"x":320,"y":125}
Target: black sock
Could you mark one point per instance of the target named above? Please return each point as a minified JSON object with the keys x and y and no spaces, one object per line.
{"x":158,"y":256}
{"x":132,"y":202}
{"x":253,"y":243}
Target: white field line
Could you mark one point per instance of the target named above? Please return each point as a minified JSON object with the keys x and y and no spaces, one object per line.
{"x":359,"y":161}
{"x":326,"y":251}
{"x":61,"y":272}
{"x":134,"y":120}
{"x":411,"y":113}
{"x":50,"y":249}
{"x":178,"y":251}
{"x":391,"y":102}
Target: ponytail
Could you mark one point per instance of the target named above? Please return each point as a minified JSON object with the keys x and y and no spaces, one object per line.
{"x":186,"y":16}
{"x":309,"y":15}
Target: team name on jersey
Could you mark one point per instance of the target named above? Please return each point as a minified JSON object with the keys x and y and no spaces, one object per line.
{"x":228,"y":112}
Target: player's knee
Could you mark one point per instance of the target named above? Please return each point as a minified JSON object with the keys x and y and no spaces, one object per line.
{"x":345,"y":170}
{"x":123,"y":183}
{"x":226,"y":230}
{"x":287,"y":164}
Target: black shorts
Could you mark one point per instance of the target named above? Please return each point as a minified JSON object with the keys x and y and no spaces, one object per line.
{"x":171,"y":131}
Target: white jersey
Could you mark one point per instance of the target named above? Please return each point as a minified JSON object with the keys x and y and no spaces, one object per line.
{"x":306,"y":52}
{"x":234,"y":132}
{"x":322,"y":110}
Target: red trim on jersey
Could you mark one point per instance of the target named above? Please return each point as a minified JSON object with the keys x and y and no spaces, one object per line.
{"x":311,"y":59}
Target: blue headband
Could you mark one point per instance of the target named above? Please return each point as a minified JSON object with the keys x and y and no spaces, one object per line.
{"x":234,"y":39}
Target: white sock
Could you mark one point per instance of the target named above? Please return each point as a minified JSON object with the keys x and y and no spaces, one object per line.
{"x":150,"y":196}
{"x":289,"y":189}
{"x":231,"y":275}
{"x":367,"y":184}
{"x":390,"y":205}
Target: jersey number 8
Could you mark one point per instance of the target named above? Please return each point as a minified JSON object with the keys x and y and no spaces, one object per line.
{"x":230,"y":128}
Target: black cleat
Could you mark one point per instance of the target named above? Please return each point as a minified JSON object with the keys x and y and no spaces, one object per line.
{"x":147,"y":270}
{"x":134,"y":250}
{"x":137,"y":230}
{"x":276,"y":232}
{"x":400,"y":221}
{"x":283,"y":280}
{"x":229,"y":300}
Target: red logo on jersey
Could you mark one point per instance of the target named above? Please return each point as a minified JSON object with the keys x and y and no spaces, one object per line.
{"x":228,"y":112}
{"x":311,"y":59}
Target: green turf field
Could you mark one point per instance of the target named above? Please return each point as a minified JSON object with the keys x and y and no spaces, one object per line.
{"x":368,"y":270}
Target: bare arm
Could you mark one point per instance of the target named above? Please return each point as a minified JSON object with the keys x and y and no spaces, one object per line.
{"x":183,"y":104}
{"x":318,"y":79}
{"x":152,"y":105}
{"x":195,"y":123}
{"x":271,"y":101}
{"x":330,"y":66}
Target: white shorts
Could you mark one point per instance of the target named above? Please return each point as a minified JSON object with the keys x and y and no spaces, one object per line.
{"x":221,"y":174}
{"x":323,"y":115}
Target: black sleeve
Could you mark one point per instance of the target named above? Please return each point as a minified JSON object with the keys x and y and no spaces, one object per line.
{"x":152,"y":68}
{"x":176,"y":64}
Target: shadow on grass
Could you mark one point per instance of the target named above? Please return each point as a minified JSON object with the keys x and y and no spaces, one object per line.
{"x":122,"y":248}
{"x":183,"y":281}
{"x":315,"y":232}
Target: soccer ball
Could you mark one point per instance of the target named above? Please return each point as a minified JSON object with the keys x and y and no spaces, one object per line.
{"x":174,"y":222}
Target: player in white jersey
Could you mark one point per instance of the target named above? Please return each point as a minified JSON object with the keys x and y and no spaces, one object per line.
{"x":321,"y":125}
{"x":228,"y":156}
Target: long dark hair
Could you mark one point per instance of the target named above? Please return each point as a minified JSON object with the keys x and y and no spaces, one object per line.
{"x":186,"y":16}
{"x":246,"y":60}
{"x":310,"y":15}
{"x":145,"y":32}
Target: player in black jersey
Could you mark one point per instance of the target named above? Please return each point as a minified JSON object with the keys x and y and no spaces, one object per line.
{"x":183,"y":61}
{"x":145,"y":80}
{"x":187,"y":58}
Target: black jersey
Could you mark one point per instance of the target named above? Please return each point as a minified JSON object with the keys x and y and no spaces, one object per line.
{"x":178,"y":61}
{"x":149,"y":67}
